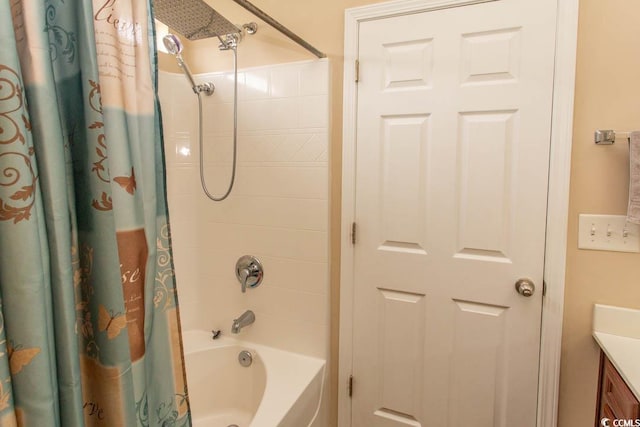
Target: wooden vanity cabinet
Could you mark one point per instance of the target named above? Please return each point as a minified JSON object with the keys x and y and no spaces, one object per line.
{"x":615,"y":399}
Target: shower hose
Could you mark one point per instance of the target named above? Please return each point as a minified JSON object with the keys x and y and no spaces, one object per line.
{"x":235,"y":135}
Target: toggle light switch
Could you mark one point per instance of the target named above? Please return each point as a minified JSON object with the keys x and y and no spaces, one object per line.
{"x":608,"y":233}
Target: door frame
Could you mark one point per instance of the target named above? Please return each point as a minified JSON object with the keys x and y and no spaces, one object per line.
{"x":557,"y":206}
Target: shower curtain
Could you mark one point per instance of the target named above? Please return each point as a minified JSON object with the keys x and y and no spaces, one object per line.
{"x":89,"y":329}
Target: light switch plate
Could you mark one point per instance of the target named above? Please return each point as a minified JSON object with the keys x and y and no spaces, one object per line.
{"x":608,"y":233}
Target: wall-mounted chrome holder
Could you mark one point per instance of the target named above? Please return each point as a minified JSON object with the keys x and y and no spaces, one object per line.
{"x":604,"y":136}
{"x":609,"y":136}
{"x":208,"y":88}
{"x":249,"y":272}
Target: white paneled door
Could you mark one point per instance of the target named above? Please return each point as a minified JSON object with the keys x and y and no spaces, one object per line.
{"x":453,"y":136}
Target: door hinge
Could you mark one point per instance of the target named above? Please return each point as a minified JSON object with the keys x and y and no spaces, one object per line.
{"x":357,"y":65}
{"x":353,"y":233}
{"x":350,"y":385}
{"x":544,"y":288}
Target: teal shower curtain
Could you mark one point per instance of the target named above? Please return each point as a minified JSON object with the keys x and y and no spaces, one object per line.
{"x":89,"y":329}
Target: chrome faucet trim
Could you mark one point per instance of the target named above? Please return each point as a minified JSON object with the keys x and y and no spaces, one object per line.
{"x":245,"y":319}
{"x":249,"y":272}
{"x":244,"y":277}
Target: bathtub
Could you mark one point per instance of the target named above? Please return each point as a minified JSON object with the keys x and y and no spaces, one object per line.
{"x":279,"y":389}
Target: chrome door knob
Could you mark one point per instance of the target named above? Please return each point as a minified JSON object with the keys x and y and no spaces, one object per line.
{"x":525,"y":287}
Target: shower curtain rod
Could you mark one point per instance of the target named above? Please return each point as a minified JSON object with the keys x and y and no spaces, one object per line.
{"x":278,"y":26}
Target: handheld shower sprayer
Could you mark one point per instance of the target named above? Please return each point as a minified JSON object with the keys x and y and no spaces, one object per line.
{"x":174,"y":46}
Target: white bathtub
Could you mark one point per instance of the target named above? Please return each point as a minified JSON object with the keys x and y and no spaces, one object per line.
{"x":279,"y":389}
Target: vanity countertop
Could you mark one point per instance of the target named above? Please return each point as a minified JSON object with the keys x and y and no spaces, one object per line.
{"x":617,"y":331}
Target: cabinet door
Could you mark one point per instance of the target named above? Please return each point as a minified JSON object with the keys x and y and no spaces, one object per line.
{"x":616,"y":399}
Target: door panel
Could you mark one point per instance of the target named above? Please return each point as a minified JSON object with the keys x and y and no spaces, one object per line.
{"x":454,"y":109}
{"x":485,"y":172}
{"x":403,"y":182}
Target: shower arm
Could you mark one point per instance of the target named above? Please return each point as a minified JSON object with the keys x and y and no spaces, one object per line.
{"x":278,"y":26}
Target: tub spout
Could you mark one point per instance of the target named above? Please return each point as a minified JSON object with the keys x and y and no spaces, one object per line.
{"x":245,"y":319}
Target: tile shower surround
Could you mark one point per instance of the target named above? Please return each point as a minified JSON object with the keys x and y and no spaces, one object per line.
{"x":277,"y":211}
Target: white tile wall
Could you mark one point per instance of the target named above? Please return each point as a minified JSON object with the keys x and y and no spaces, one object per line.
{"x":277,"y":211}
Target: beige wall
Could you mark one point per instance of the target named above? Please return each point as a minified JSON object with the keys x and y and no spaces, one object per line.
{"x":607,"y":97}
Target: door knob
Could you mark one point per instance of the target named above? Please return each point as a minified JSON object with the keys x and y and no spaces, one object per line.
{"x":525,"y":287}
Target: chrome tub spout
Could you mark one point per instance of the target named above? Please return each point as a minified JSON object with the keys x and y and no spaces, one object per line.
{"x":245,"y":319}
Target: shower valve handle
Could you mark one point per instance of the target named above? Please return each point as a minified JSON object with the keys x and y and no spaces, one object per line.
{"x":249,"y":272}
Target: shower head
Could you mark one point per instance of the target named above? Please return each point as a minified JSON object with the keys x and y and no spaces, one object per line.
{"x":194,"y":19}
{"x":174,"y":46}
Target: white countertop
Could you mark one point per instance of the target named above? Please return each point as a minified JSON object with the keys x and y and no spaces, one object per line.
{"x":617,"y":331}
